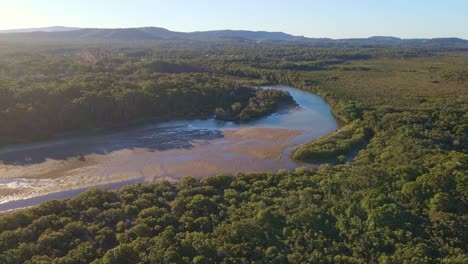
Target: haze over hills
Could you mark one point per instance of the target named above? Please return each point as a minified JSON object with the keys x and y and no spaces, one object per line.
{"x":42,"y":29}
{"x":146,"y":33}
{"x":162,"y":34}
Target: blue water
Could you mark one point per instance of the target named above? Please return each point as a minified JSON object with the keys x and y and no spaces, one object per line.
{"x":311,"y":116}
{"x":312,"y":113}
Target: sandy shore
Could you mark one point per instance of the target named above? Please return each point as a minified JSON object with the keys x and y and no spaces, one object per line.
{"x":31,"y":174}
{"x":239,"y":150}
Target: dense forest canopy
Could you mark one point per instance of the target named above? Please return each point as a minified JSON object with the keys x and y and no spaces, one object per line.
{"x":45,"y":93}
{"x":395,"y":190}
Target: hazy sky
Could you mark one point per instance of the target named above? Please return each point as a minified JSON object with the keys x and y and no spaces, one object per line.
{"x":311,"y":18}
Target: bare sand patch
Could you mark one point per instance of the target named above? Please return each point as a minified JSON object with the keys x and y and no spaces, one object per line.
{"x":239,"y":150}
{"x":263,"y":143}
{"x":262,"y":150}
{"x":262,"y":133}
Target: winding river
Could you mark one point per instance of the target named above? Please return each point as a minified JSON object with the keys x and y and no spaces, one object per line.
{"x":33,"y":173}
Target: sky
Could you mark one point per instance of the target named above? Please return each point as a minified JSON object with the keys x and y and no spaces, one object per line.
{"x":310,"y":18}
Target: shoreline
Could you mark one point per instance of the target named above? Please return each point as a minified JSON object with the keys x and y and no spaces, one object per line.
{"x":196,"y":150}
{"x":252,"y":149}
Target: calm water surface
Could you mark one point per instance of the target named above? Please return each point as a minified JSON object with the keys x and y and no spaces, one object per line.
{"x":31,"y":174}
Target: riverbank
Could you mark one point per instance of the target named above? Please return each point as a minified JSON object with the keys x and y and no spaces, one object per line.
{"x":164,"y":151}
{"x":239,"y":150}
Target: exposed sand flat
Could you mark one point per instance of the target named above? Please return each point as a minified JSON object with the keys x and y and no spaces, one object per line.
{"x":242,"y":150}
{"x":169,"y":151}
{"x":261,"y":133}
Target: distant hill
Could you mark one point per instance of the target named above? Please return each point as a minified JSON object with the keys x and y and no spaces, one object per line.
{"x":447,"y":41}
{"x":150,"y":33}
{"x":245,"y":34}
{"x":43,"y":29}
{"x":385,"y":38}
{"x":161,"y":34}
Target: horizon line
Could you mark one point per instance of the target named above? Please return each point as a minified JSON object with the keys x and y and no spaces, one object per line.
{"x":210,"y":30}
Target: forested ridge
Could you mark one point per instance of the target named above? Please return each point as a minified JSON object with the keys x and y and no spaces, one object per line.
{"x":401,"y":199}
